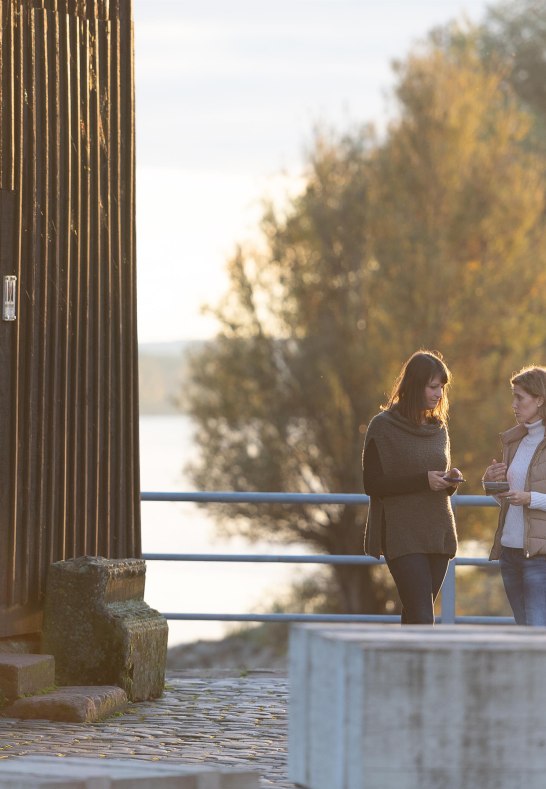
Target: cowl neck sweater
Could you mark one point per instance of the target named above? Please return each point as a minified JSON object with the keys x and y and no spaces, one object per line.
{"x":420,"y":522}
{"x":407,"y":426}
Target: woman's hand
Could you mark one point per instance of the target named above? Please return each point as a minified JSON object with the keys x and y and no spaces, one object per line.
{"x":454,"y":476}
{"x":519,"y":498}
{"x":436,"y":480}
{"x":496,"y":472}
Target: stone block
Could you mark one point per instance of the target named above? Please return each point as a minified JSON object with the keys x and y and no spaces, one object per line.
{"x":70,"y":704}
{"x":385,"y":707}
{"x":29,"y":643}
{"x":100,"y":630}
{"x":76,"y":773}
{"x":23,"y":674}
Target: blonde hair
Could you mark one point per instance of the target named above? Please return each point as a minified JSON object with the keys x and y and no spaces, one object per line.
{"x":533,"y":380}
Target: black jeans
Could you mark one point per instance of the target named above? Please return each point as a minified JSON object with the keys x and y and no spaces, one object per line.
{"x":418,"y":578}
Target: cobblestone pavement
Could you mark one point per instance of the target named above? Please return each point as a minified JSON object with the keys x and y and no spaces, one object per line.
{"x":214,"y":718}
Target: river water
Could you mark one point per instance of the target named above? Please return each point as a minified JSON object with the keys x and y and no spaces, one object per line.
{"x":165,"y":447}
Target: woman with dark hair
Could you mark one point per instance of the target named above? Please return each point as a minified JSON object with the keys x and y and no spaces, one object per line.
{"x":406,"y":472}
{"x":520,"y":539}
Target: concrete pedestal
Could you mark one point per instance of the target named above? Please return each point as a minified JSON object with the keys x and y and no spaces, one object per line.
{"x":386,"y":707}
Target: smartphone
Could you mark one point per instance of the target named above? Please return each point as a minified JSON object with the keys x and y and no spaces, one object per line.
{"x":495,"y":487}
{"x":454,"y":479}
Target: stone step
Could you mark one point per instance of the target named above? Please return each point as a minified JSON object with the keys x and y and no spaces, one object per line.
{"x":72,"y":704}
{"x":44,"y":771}
{"x":24,"y":674}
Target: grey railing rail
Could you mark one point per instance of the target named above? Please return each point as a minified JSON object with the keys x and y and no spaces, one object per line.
{"x":448,"y":599}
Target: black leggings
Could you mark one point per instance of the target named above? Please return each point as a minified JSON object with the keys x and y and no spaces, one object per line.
{"x":418,"y":578}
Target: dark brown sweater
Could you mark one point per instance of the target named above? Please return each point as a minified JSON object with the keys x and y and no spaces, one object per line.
{"x":415,"y":519}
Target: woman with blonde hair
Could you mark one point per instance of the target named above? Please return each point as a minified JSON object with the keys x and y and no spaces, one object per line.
{"x":406,"y":472}
{"x":520,"y":539}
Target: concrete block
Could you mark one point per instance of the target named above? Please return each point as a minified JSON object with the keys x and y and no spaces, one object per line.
{"x":23,"y":674}
{"x":384,"y":706}
{"x":71,"y":704}
{"x":86,"y":773}
{"x":100,"y":630}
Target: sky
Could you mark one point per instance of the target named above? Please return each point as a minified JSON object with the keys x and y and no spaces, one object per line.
{"x":228,"y":93}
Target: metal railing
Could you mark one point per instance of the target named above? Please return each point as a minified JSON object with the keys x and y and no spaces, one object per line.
{"x":448,"y":595}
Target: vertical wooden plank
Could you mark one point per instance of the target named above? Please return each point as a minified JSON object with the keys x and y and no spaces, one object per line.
{"x":74,"y":516}
{"x":55,"y":274}
{"x":5,"y":8}
{"x":94,"y":348}
{"x":13,"y":595}
{"x":130,"y":426}
{"x":102,"y":10}
{"x":92,"y":9}
{"x":77,"y":8}
{"x":105,"y":326}
{"x":127,"y":283}
{"x":64,"y":225}
{"x":8,"y":213}
{"x":85,"y":483}
{"x":125,"y":11}
{"x":119,"y":458}
{"x":30,"y":252}
{"x":7,"y":98}
{"x":41,"y":265}
{"x":134,"y":491}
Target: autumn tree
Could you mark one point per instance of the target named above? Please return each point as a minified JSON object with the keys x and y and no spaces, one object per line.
{"x":431,"y":237}
{"x":281,"y":394}
{"x":459,"y":235}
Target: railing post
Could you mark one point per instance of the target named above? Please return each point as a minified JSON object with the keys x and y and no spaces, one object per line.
{"x":448,"y":595}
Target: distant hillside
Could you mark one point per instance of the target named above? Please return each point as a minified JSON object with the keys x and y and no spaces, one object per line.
{"x":162,"y":370}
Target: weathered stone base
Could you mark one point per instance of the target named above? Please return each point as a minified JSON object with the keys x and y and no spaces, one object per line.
{"x":100,"y":630}
{"x":71,"y":704}
{"x":43,"y":771}
{"x":390,"y":707}
{"x":23,"y":674}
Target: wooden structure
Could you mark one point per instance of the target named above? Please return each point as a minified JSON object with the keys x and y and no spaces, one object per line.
{"x":69,"y":472}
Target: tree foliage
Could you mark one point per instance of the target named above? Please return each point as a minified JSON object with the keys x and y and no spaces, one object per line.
{"x":459,"y":236}
{"x":431,"y":237}
{"x":280,"y":396}
{"x":516,"y":30}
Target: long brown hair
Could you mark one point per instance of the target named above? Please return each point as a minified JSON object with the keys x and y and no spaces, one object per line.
{"x":408,"y":392}
{"x":533,"y":380}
